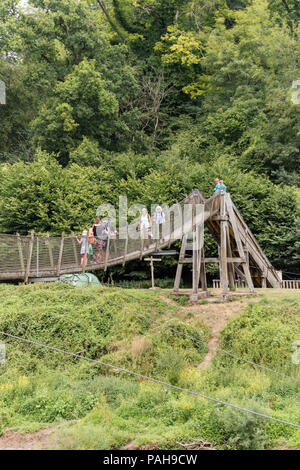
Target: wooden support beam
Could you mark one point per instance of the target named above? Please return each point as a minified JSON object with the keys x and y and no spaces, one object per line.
{"x":220,"y":218}
{"x":107,"y":252}
{"x":37,"y":256}
{"x":21,"y":255}
{"x":223,"y":248}
{"x":141,"y":245}
{"x":61,"y":250}
{"x":126,"y":245}
{"x":171,"y":234}
{"x":29,"y":257}
{"x":239,"y":242}
{"x":195,"y":255}
{"x":50,"y":250}
{"x":86,"y":253}
{"x":74,"y":243}
{"x":264,"y":279}
{"x":180,"y":265}
{"x":202,"y":272}
{"x":230,"y":265}
{"x":151,"y":259}
{"x":229,"y":260}
{"x":211,"y":260}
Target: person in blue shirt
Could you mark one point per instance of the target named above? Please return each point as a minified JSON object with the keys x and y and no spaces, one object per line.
{"x":222,"y":187}
{"x":216,"y":190}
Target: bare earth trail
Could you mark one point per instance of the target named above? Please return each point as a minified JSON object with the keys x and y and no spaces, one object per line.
{"x":40,"y":440}
{"x":216,"y":316}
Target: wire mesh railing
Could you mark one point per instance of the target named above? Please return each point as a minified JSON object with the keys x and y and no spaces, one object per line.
{"x":25,"y":257}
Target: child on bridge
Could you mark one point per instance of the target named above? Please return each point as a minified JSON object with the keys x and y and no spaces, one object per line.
{"x":82,"y":242}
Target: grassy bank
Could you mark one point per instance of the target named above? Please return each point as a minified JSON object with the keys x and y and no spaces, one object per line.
{"x":93,"y":407}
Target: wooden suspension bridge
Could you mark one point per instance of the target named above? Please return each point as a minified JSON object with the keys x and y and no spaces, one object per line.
{"x":31,"y":258}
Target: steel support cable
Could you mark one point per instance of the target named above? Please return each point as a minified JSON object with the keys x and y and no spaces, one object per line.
{"x":145,"y":377}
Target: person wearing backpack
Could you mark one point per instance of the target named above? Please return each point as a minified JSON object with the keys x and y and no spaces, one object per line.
{"x":105,"y":230}
{"x":145,"y":225}
{"x":97,"y":240}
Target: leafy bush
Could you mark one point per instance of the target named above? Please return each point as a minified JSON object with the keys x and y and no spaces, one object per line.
{"x":240,"y":430}
{"x":264,"y":334}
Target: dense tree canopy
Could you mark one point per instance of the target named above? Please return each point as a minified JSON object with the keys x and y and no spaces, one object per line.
{"x":150,"y":98}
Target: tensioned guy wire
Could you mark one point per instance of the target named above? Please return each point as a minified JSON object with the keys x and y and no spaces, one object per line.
{"x":216,"y":348}
{"x":120,"y":369}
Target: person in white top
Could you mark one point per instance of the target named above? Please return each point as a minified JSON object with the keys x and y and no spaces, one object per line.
{"x":145,"y":226}
{"x":159,"y":219}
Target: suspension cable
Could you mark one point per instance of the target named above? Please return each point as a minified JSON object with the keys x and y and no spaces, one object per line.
{"x":136,"y":374}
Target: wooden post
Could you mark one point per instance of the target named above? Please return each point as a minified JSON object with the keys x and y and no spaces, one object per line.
{"x":202,"y":271}
{"x":74,"y":243}
{"x":223,"y":247}
{"x":230,"y":266}
{"x":60,"y":254}
{"x":180,"y":264}
{"x":141,"y":244}
{"x":171,"y":234}
{"x":152,"y":272}
{"x":195,"y":253}
{"x":126,"y":245}
{"x":30,"y":249}
{"x":264,"y":279}
{"x":107,"y":252}
{"x":50,"y":250}
{"x":22,"y":264}
{"x":151,"y":259}
{"x":37,"y":256}
{"x":86,"y":253}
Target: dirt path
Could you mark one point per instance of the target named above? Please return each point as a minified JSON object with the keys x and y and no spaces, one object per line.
{"x":40,"y":440}
{"x":216,"y":316}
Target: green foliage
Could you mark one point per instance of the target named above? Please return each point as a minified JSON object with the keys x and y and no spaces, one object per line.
{"x":181,"y":300}
{"x":171,"y":364}
{"x":90,"y":322}
{"x":43,"y":195}
{"x":90,"y":407}
{"x":242,"y":431}
{"x":64,"y":120}
{"x":265,"y":334}
{"x":150,"y":99}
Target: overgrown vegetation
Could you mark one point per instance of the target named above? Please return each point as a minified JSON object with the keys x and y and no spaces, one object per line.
{"x":93,"y":407}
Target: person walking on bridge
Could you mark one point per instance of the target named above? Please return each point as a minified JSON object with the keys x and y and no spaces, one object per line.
{"x":98,"y":241}
{"x":145,"y":226}
{"x":217,"y":186}
{"x":82,"y":242}
{"x":159,"y":219}
{"x":222,"y":187}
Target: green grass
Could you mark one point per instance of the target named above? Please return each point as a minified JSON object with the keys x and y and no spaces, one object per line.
{"x":93,"y":407}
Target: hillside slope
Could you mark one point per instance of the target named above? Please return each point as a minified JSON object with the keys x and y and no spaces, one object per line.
{"x":91,"y":407}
